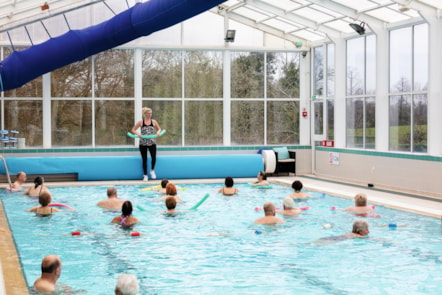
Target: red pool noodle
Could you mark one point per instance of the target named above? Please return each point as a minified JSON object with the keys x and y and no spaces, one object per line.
{"x":76,"y":233}
{"x":135,"y":234}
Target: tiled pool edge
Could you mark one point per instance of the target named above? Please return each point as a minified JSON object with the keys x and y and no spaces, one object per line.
{"x":13,"y":277}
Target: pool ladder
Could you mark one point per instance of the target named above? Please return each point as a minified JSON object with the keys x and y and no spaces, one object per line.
{"x":7,"y":171}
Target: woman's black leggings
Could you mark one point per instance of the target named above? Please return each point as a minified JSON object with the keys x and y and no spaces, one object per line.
{"x":153,"y":153}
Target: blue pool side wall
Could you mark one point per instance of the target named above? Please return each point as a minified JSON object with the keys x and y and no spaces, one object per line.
{"x":90,"y":168}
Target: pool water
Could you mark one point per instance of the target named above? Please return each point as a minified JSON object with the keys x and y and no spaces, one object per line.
{"x":215,"y":249}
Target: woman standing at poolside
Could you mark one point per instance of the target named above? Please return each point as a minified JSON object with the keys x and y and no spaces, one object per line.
{"x":148,"y":126}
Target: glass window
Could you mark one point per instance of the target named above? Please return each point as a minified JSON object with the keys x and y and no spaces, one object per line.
{"x":420,"y":111}
{"x":203,"y":123}
{"x":203,"y":74}
{"x":330,"y":119}
{"x":330,"y":70}
{"x":420,"y":64}
{"x":282,"y":75}
{"x":318,"y":71}
{"x":247,"y":122}
{"x":73,"y":80}
{"x":25,"y":116}
{"x":401,"y":60}
{"x":408,"y":86}
{"x":114,"y":73}
{"x":113,"y":119}
{"x":319,"y":117}
{"x":283,"y":122}
{"x":162,"y":73}
{"x":168,"y":116}
{"x":356,"y":66}
{"x":400,"y":122}
{"x":355,"y":122}
{"x":361,"y":82}
{"x":71,"y":122}
{"x":247,"y":75}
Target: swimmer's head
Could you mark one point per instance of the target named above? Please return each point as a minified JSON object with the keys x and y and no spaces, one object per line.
{"x":164,"y":182}
{"x":171,"y":189}
{"x":127,"y":208}
{"x":360,"y":227}
{"x":111,"y":191}
{"x":228,"y":181}
{"x":288,"y":203}
{"x":44,"y":198}
{"x":21,"y":176}
{"x":38,"y":181}
{"x":170,"y":203}
{"x":361,"y":200}
{"x":297,"y":185}
{"x":269,"y":209}
{"x":263,"y":175}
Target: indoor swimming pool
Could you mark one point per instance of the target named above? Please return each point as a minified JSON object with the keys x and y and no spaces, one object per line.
{"x":217,"y":249}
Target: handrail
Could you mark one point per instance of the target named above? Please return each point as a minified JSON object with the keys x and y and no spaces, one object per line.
{"x":7,"y":171}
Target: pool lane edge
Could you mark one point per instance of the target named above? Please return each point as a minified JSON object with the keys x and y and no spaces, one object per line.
{"x":13,"y":277}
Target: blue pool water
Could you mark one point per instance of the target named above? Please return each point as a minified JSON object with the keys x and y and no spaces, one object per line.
{"x":181,"y":254}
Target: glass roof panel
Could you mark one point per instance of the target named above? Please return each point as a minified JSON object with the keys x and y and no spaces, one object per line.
{"x":388,"y":15}
{"x":309,"y":35}
{"x":313,"y":14}
{"x":327,"y":11}
{"x":282,"y":25}
{"x":255,"y":14}
{"x":434,"y":3}
{"x":358,"y":5}
{"x":340,"y":25}
{"x":287,"y":5}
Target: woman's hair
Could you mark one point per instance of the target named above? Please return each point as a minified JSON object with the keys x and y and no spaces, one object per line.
{"x":288,"y":203}
{"x":164,"y":182}
{"x":361,"y":200}
{"x":126,"y":210}
{"x":127,"y":284}
{"x":228,"y":181}
{"x":145,"y":110}
{"x":171,"y":189}
{"x":44,"y":198}
{"x":297,"y":185}
{"x":359,"y":225}
{"x":263,"y":175}
{"x":170,"y":203}
{"x":38,"y":181}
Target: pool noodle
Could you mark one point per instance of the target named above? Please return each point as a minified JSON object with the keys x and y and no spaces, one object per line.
{"x":60,"y":205}
{"x":260,"y":186}
{"x":147,"y":136}
{"x":200,"y":202}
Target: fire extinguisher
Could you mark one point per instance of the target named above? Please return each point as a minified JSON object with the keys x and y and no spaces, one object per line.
{"x":304,"y":112}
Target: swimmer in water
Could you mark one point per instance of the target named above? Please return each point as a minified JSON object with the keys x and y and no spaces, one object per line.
{"x":360,"y":231}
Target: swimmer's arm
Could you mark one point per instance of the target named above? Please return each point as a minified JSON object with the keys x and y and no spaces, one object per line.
{"x":26,"y":192}
{"x":136,"y":126}
{"x":116,"y":219}
{"x":220,"y":190}
{"x":155,"y":123}
{"x":33,"y":209}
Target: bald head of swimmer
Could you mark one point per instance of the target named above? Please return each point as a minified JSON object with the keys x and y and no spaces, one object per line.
{"x":111,"y":192}
{"x":21,"y":177}
{"x":360,"y":227}
{"x":269,"y":209}
{"x":51,"y":265}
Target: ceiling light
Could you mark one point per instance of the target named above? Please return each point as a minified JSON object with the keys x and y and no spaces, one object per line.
{"x":230,"y":36}
{"x":360,"y":29}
